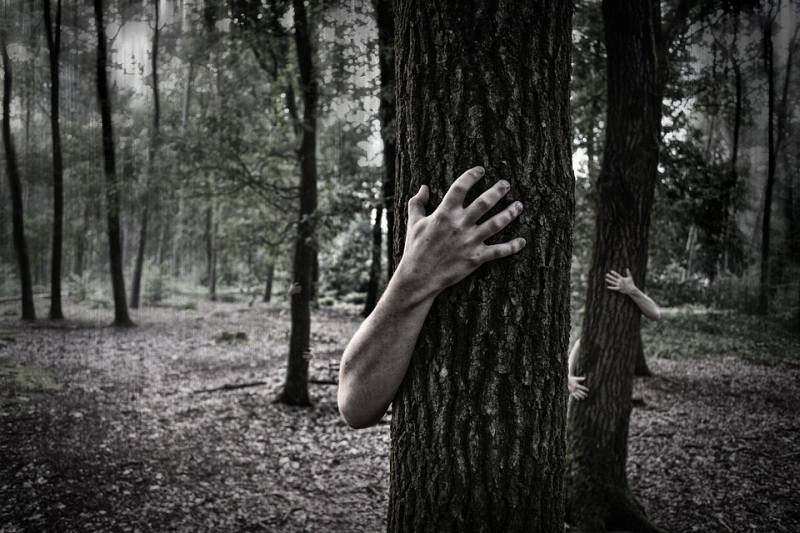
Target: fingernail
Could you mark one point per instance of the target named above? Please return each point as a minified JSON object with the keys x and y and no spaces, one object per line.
{"x":523,"y":242}
{"x":480,"y":170}
{"x":504,"y":184}
{"x":518,"y":206}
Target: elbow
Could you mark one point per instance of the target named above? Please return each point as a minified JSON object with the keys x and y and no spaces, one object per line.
{"x":352,"y":411}
{"x":655,"y":315}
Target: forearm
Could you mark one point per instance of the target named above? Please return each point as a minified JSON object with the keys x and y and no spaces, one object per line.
{"x":377,"y":357}
{"x":646,"y":304}
{"x":573,"y":356}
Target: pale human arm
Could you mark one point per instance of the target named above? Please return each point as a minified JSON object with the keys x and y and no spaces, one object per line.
{"x":624,"y":284}
{"x":440,"y":250}
{"x":576,"y":389}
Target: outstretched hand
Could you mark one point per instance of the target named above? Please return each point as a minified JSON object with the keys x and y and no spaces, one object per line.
{"x":617,"y":282}
{"x":446,"y":246}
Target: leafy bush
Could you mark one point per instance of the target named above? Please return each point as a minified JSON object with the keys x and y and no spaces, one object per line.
{"x":156,"y":286}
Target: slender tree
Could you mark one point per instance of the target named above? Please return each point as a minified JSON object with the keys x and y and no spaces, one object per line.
{"x":295,"y":388}
{"x":112,"y":188}
{"x":769,"y":185}
{"x":152,"y":153}
{"x":477,"y":437}
{"x":384,"y":18}
{"x":15,"y":189}
{"x":375,"y":263}
{"x":53,"y":36}
{"x":598,"y":497}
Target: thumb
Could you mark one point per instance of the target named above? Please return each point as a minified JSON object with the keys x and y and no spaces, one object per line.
{"x":628,"y":272}
{"x":416,"y":205}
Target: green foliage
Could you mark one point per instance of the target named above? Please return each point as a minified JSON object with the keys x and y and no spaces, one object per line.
{"x":156,"y":284}
{"x":345,"y":268}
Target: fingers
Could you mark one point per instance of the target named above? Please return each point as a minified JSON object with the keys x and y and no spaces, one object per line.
{"x":497,"y":251}
{"x":499,"y":221}
{"x":458,"y":190}
{"x":416,"y":205}
{"x":579,"y":395}
{"x":613,"y":282}
{"x":578,"y":378}
{"x":614,"y":274}
{"x":628,"y":273}
{"x":486,"y":201}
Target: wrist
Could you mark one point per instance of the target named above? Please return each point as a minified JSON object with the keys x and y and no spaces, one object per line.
{"x":414,"y":286}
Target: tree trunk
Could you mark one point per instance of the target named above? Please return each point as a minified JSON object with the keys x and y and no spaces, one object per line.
{"x":15,"y":191}
{"x":211,"y":251}
{"x":295,"y":388}
{"x":477,"y":437}
{"x":641,"y":370}
{"x":138,"y":269}
{"x":112,"y":189}
{"x":268,"y":282}
{"x":729,"y":192}
{"x":54,"y":48}
{"x":598,"y":497}
{"x":136,"y":287}
{"x":763,"y":281}
{"x":177,"y":240}
{"x":385,"y":22}
{"x":373,"y":285}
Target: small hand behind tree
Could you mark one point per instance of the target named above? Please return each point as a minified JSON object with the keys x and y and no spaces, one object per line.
{"x":576,"y":390}
{"x":617,"y":282}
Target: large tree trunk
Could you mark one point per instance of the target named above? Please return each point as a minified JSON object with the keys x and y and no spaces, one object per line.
{"x":112,"y":189}
{"x":385,"y":22}
{"x":373,"y":285}
{"x":136,"y":287}
{"x":763,"y":281}
{"x":598,"y":497}
{"x":477,"y":438}
{"x":295,"y":388}
{"x":729,"y":192}
{"x":15,"y":191}
{"x":54,"y":48}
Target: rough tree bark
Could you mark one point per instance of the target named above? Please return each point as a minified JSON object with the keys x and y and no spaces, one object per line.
{"x":53,"y":36}
{"x":598,"y":496}
{"x":295,"y":387}
{"x":373,"y":284}
{"x":477,"y":437}
{"x":136,"y":286}
{"x":384,"y":17}
{"x":112,"y":189}
{"x":15,"y":190}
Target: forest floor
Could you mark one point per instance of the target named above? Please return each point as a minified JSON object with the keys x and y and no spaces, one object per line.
{"x":104,"y":429}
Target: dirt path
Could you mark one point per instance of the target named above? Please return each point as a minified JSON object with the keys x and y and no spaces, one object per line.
{"x":103,"y":429}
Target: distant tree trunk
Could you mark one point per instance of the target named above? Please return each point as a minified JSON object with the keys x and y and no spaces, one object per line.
{"x":373,"y":285}
{"x":54,"y":48}
{"x":295,"y":388}
{"x":764,"y":281}
{"x":136,"y":287}
{"x":177,"y":240}
{"x":15,"y":191}
{"x":268,"y":282}
{"x":477,"y":438}
{"x":211,"y":251}
{"x":112,"y":189}
{"x":385,"y":22}
{"x":728,"y":215}
{"x":598,"y":496}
